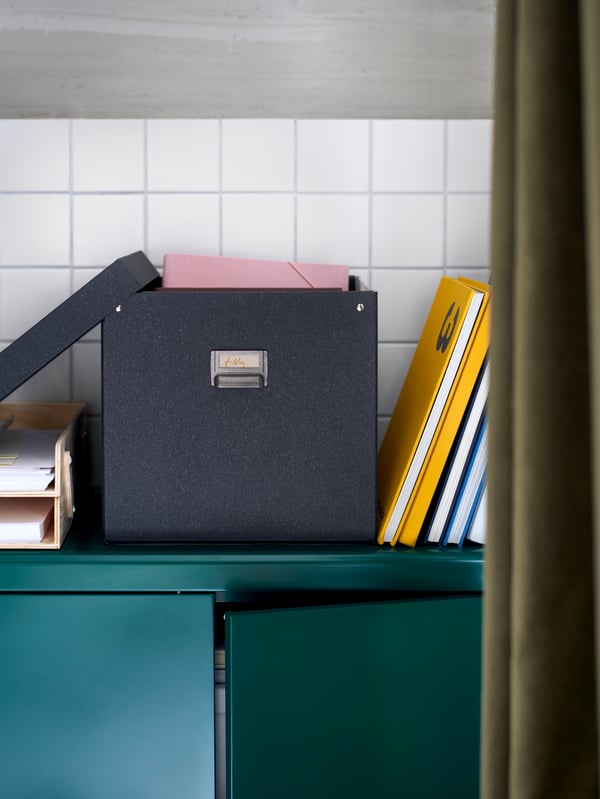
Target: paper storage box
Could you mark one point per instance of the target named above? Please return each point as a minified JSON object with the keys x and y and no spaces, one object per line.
{"x":240,"y":416}
{"x":228,"y":415}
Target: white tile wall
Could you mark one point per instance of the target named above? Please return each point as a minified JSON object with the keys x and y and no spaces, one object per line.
{"x":333,"y":155}
{"x":106,"y":226}
{"x":468,"y":230}
{"x":35,"y":155}
{"x":400,"y":201}
{"x":260,"y":224}
{"x":108,"y":155}
{"x":408,"y":230}
{"x":183,"y":155}
{"x":182,"y":223}
{"x":333,"y":228}
{"x":469,"y":155}
{"x":408,"y":155}
{"x":34,"y":230}
{"x":258,"y":155}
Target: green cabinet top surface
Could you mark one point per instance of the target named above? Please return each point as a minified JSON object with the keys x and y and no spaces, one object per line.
{"x":85,"y":563}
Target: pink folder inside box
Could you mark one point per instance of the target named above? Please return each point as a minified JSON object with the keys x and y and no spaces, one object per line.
{"x":221,"y":272}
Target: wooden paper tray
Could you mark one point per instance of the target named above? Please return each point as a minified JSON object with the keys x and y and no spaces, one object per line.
{"x":68,"y":417}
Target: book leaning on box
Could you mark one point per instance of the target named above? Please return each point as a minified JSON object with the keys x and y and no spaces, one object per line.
{"x":431,"y":406}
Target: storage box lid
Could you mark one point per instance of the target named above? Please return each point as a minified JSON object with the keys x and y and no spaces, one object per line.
{"x":73,"y":318}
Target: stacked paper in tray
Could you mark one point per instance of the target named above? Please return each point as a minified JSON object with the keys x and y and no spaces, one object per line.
{"x":27,"y":459}
{"x":25,"y":520}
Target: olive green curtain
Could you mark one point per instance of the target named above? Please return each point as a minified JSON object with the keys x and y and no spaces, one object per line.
{"x":541,"y":612}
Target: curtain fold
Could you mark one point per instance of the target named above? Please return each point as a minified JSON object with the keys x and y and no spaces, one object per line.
{"x":539,"y":704}
{"x":590,"y":61}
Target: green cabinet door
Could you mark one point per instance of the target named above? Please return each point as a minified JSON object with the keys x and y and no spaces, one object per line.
{"x":106,"y":697}
{"x":372,"y":700}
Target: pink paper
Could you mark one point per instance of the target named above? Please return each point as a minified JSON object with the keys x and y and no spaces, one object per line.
{"x":220,"y":272}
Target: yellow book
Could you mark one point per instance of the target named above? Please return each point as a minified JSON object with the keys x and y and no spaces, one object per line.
{"x":430,"y":406}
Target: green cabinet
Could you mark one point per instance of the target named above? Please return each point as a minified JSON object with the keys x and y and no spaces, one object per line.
{"x":106,"y":697}
{"x":376,"y":699}
{"x":352,"y":671}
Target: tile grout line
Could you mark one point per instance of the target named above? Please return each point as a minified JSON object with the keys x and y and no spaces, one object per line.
{"x":70,"y":167}
{"x":146,"y":231}
{"x":295,"y":179}
{"x":220,"y":182}
{"x":133,"y":192}
{"x":445,"y":200}
{"x":370,"y":156}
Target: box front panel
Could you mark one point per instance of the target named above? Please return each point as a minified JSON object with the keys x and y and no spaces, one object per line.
{"x":289,"y":453}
